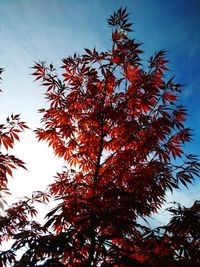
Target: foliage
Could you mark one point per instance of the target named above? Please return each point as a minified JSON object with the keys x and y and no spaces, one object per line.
{"x":116,"y":124}
{"x":9,"y":133}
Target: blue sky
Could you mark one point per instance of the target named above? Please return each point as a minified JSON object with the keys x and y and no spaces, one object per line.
{"x":49,"y":30}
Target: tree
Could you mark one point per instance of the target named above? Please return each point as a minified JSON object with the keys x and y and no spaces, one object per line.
{"x":9,"y":133}
{"x":116,"y":124}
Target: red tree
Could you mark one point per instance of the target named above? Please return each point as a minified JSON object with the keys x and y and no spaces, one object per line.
{"x":117,"y":125}
{"x":9,"y":133}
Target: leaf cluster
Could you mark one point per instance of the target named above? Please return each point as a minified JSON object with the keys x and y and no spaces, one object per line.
{"x":122,"y":135}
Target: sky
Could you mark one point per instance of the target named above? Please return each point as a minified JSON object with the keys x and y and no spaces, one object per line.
{"x":49,"y":30}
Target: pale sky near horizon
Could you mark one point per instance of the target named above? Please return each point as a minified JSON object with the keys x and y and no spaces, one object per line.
{"x":33,"y":30}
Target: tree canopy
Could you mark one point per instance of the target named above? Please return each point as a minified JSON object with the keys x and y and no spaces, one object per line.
{"x":115,"y":120}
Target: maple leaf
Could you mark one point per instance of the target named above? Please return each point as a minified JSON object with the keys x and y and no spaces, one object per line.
{"x":121,"y":135}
